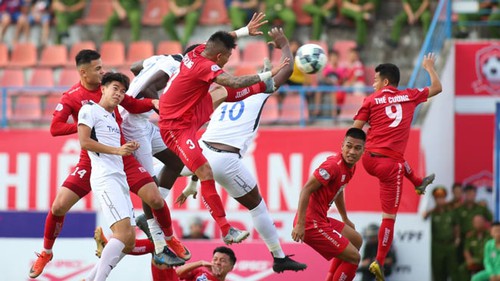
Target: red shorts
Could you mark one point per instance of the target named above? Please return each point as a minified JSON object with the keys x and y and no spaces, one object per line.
{"x":390,"y":173}
{"x":326,"y":237}
{"x":79,"y":180}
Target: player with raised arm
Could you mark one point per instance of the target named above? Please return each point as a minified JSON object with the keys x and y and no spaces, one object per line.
{"x":389,"y":112}
{"x":186,"y":106}
{"x":77,"y":184}
{"x":333,"y":239}
{"x":230,"y":132}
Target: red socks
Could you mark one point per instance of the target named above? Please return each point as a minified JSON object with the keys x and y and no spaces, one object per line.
{"x":385,"y":235}
{"x":162,"y":216}
{"x":333,"y":267}
{"x":345,"y":272}
{"x":409,"y":174}
{"x":243,"y":93}
{"x":213,"y":203}
{"x":142,"y":247}
{"x":53,"y":226}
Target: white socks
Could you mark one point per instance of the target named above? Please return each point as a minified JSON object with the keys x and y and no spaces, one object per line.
{"x":265,"y":226}
{"x":110,"y":257}
{"x":157,"y":235}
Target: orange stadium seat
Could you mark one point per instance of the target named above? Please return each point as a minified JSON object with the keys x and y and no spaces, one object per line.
{"x":343,"y":47}
{"x":77,"y":47}
{"x":126,"y":70}
{"x":291,"y":109}
{"x":50,"y":104}
{"x":4,"y":55}
{"x":234,"y":60}
{"x":303,"y":18}
{"x":54,"y":56}
{"x":369,"y":74}
{"x":27,"y":108}
{"x":270,"y":113}
{"x":243,"y":69}
{"x":23,"y":55}
{"x":8,"y":107}
{"x":13,"y":78}
{"x":113,"y":53}
{"x":42,"y":77}
{"x":254,"y":53}
{"x":138,"y":51}
{"x":169,"y":48}
{"x":351,"y":106}
{"x":154,"y":12}
{"x":68,"y":77}
{"x":214,"y":12}
{"x":98,"y":12}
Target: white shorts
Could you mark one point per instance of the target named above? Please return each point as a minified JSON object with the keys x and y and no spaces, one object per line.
{"x":114,"y":198}
{"x":151,"y":143}
{"x":229,"y":172}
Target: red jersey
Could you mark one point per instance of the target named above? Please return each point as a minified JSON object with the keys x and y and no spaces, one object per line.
{"x":389,"y":112}
{"x":73,"y":99}
{"x":200,"y":274}
{"x":333,"y":174}
{"x":187,"y":89}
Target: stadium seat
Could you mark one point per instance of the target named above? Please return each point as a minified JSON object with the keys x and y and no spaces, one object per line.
{"x":4,"y":55}
{"x":270,"y":113}
{"x":214,"y":12}
{"x":27,"y":107}
{"x":138,"y":51}
{"x":8,"y":107}
{"x":351,"y":106}
{"x":113,"y":53}
{"x":254,"y":53}
{"x":169,"y":48}
{"x":68,"y":77}
{"x":13,"y":78}
{"x":234,"y":60}
{"x":292,"y":106}
{"x":77,"y":47}
{"x":125,"y":70}
{"x":54,"y":56}
{"x":42,"y":77}
{"x":303,"y":18}
{"x":342,"y":47}
{"x":369,"y":74}
{"x":49,"y":106}
{"x":23,"y":55}
{"x":154,"y":12}
{"x":98,"y":12}
{"x":243,"y":69}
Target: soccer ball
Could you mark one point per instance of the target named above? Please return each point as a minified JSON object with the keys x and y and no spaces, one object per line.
{"x":491,"y":69}
{"x":310,"y":58}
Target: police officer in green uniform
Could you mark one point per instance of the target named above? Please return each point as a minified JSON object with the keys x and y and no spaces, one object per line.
{"x":279,"y":9}
{"x":125,"y":9}
{"x":413,"y":12}
{"x":491,"y":259}
{"x":320,"y":10}
{"x":444,"y":237}
{"x":488,"y":10}
{"x":360,"y":11}
{"x":66,"y":13}
{"x":190,"y":11}
{"x":474,"y":248}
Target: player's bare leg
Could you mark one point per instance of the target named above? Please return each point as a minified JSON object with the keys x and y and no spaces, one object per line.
{"x":65,"y":199}
{"x":265,"y":227}
{"x":213,"y":202}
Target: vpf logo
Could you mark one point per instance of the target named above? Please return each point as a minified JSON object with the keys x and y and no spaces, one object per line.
{"x":488,"y":70}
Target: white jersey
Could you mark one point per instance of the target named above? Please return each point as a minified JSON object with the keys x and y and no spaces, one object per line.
{"x":106,"y":131}
{"x":169,"y":64}
{"x":235,"y":123}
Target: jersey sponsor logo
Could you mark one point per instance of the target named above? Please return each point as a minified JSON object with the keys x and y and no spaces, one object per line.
{"x":59,"y":107}
{"x":112,"y":129}
{"x":324,"y":174}
{"x":215,"y":68}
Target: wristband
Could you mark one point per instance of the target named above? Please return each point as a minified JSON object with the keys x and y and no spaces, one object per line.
{"x":242,"y":32}
{"x":265,"y":75}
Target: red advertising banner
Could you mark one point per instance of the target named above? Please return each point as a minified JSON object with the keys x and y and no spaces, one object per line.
{"x":33,"y":164}
{"x":477,"y":69}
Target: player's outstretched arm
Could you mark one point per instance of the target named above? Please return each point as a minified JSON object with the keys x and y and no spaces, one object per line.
{"x":231,"y":81}
{"x":252,"y":28}
{"x":184,"y":271}
{"x":311,"y":186}
{"x":428,"y":64}
{"x":281,"y":42}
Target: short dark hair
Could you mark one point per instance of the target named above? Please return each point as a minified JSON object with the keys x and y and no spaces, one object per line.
{"x":495,"y":223}
{"x":115,"y":76}
{"x":222,"y":38}
{"x":456,"y":185}
{"x":390,"y":72}
{"x":469,"y":186}
{"x":86,"y":56}
{"x":227,"y":251}
{"x":190,"y":48}
{"x":356,"y":133}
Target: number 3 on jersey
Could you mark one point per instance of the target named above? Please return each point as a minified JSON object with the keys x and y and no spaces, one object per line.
{"x":397,"y":115}
{"x":235,"y":111}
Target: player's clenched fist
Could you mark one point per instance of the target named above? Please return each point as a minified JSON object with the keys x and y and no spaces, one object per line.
{"x":298,"y":233}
